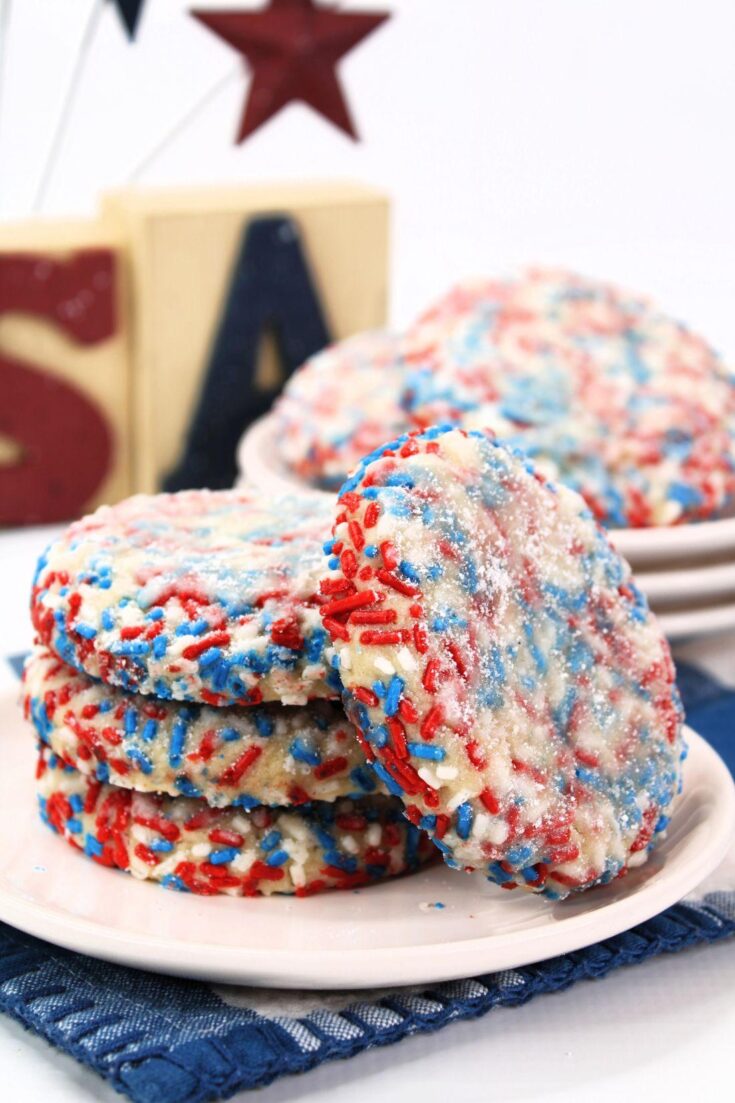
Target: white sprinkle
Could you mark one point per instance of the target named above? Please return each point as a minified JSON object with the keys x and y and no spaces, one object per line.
{"x":446,"y":773}
{"x":429,"y":777}
{"x":348,"y":843}
{"x":384,"y":666}
{"x":242,"y":862}
{"x":201,"y":850}
{"x":457,"y":799}
{"x":406,"y":659}
{"x":373,"y":834}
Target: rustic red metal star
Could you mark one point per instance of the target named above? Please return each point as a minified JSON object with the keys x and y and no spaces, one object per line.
{"x":292,"y":48}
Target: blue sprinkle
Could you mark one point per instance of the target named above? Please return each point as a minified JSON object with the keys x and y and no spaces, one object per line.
{"x":93,"y":848}
{"x":427,"y":750}
{"x":150,"y":730}
{"x":141,"y":760}
{"x":271,"y":840}
{"x":465,"y":817}
{"x":86,"y":631}
{"x":390,"y":783}
{"x":176,"y":744}
{"x":171,"y":881}
{"x":303,"y":753}
{"x":277,"y":858}
{"x":161,"y":846}
{"x":393,"y":696}
{"x":222,"y":857}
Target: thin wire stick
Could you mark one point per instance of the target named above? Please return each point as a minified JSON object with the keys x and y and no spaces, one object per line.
{"x":85,"y":44}
{"x":180,"y":126}
{"x":4,"y":25}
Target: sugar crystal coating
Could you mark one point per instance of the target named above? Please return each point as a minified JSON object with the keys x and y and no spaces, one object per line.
{"x":502,"y":667}
{"x":340,"y":405}
{"x":599,"y":388}
{"x":186,"y":845}
{"x":268,"y":754}
{"x":206,"y":596}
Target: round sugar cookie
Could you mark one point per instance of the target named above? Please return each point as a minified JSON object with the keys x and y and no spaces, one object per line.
{"x":340,"y":405}
{"x":206,"y":596}
{"x":184,"y":844}
{"x":603,"y":391}
{"x":501,"y":665}
{"x":266,"y":754}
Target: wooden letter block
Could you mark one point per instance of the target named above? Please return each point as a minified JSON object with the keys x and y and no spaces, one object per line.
{"x":183,"y":248}
{"x":64,"y":372}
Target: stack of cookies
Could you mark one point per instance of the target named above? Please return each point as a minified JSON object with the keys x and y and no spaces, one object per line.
{"x":511,"y":699}
{"x":189,"y":723}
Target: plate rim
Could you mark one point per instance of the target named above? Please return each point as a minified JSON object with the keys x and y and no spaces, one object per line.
{"x":394,"y":965}
{"x":716,"y":580}
{"x":708,"y":620}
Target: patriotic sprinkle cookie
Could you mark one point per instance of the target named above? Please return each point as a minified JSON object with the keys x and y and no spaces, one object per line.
{"x":340,"y":405}
{"x":501,"y":665}
{"x":266,"y":754}
{"x":601,"y":390}
{"x":201,"y":596}
{"x":185,"y":845}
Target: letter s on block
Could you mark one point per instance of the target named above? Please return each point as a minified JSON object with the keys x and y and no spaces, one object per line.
{"x":63,"y":440}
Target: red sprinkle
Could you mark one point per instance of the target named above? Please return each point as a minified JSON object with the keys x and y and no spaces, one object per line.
{"x":397,"y":584}
{"x":236,"y":769}
{"x":356,"y":535}
{"x":354,"y":601}
{"x":431,"y":722}
{"x":215,"y":639}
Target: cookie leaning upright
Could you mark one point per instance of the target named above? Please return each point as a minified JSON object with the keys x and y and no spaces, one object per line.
{"x":502,"y":667}
{"x":199,"y":596}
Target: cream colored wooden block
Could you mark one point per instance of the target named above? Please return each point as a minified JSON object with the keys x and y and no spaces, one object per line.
{"x":100,"y":370}
{"x":182,"y":247}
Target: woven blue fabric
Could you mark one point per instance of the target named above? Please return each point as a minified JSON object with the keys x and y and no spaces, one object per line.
{"x":163,"y":1040}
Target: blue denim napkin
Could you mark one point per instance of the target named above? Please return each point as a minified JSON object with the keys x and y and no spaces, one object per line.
{"x":162,"y":1040}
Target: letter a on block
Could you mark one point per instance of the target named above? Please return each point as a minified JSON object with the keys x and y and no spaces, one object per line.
{"x":271,"y":293}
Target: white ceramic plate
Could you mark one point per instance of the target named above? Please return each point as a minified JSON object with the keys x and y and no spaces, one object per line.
{"x":690,"y":623}
{"x":389,"y":934}
{"x":691,"y":584}
{"x":259,"y":462}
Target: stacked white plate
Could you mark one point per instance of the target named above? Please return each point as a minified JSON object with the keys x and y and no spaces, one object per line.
{"x":687,"y":572}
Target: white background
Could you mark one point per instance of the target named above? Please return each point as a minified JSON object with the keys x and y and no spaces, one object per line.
{"x":593,"y":133}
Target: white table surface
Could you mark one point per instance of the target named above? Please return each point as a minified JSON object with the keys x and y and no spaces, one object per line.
{"x":663,"y":1030}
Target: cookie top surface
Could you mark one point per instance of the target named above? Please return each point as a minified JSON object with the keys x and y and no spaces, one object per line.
{"x":185,"y":845}
{"x":199,"y":596}
{"x":267,"y":754}
{"x":501,"y":665}
{"x":603,"y":391}
{"x":342,"y":404}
